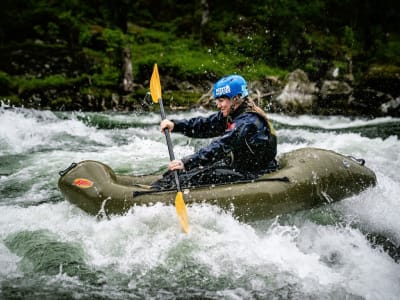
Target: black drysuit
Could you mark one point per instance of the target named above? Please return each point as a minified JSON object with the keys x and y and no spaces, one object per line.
{"x":245,"y":148}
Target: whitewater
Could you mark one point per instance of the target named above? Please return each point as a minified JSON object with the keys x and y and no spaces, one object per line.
{"x":50,"y":249}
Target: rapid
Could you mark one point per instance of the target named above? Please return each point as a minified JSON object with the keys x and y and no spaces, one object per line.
{"x":50,"y":249}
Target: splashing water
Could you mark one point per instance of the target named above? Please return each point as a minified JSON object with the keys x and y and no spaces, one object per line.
{"x":50,"y":249}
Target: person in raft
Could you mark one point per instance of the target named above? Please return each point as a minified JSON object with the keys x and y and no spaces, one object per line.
{"x":245,"y":148}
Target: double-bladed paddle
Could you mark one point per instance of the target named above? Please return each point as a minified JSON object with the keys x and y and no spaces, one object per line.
{"x":155,"y":91}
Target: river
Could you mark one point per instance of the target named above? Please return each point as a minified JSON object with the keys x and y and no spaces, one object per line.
{"x":50,"y":249}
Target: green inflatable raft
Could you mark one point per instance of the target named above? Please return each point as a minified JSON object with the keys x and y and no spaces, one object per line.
{"x":308,"y":177}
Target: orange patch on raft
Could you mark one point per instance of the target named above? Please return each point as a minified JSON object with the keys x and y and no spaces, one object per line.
{"x":83,"y":183}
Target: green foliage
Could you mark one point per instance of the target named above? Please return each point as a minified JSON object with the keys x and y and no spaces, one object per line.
{"x":108,"y":77}
{"x":96,"y":92}
{"x":180,"y":98}
{"x":389,"y":51}
{"x":256,"y":39}
{"x":24,"y":84}
{"x":383,"y":71}
{"x":187,"y":60}
{"x":104,"y":71}
{"x":113,"y":38}
{"x":62,"y":101}
{"x":144,"y":35}
{"x":85,"y":35}
{"x":5,"y":82}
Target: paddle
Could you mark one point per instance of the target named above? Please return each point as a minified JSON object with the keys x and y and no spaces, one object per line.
{"x":155,"y":91}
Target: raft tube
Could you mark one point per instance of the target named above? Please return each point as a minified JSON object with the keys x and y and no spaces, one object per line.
{"x":308,"y":177}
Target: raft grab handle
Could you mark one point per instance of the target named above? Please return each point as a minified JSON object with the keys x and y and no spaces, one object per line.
{"x":63,"y":172}
{"x":360,"y":161}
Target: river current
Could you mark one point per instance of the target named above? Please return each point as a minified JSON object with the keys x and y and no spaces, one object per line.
{"x":50,"y":249}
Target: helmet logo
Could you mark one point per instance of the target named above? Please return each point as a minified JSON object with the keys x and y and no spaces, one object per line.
{"x":83,"y":183}
{"x":222,"y":90}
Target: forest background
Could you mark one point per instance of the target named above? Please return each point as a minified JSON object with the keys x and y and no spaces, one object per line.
{"x":97,"y":55}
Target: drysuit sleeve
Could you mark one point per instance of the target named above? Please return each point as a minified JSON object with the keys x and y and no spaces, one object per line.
{"x":201,"y":127}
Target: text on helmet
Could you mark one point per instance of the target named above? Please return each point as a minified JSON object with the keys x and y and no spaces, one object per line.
{"x":222,"y":90}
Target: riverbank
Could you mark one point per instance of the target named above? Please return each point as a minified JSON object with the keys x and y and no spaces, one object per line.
{"x":98,"y":56}
{"x":57,"y":78}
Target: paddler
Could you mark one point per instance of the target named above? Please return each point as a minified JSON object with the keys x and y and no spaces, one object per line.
{"x":245,"y":147}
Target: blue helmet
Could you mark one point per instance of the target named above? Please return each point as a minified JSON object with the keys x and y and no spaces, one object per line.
{"x":230,"y":86}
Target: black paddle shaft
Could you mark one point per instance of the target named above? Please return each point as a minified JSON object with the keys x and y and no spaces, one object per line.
{"x":169,"y":144}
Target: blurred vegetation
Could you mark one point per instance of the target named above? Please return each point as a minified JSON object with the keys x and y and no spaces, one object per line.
{"x":76,"y":44}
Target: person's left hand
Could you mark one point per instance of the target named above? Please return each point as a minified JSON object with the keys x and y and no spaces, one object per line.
{"x":176,"y":164}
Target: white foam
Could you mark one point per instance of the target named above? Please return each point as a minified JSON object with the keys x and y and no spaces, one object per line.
{"x":329,"y":122}
{"x":316,"y":259}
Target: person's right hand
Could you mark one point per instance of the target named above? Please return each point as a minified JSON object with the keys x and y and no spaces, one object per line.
{"x":166,"y":124}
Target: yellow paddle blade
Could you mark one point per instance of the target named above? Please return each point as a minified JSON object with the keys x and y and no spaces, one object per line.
{"x":181,"y":212}
{"x":155,"y":85}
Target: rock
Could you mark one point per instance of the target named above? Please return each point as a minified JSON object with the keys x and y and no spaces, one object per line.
{"x":383,"y":78}
{"x":335,"y":94}
{"x":299,"y":94}
{"x":367,"y":101}
{"x":335,"y":87}
{"x":261,"y":91}
{"x":207,"y":99}
{"x":392,"y":107}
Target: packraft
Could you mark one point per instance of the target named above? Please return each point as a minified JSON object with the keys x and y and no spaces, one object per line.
{"x":307,"y":178}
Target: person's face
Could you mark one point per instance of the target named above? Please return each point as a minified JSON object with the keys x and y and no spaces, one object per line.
{"x":224,"y":105}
